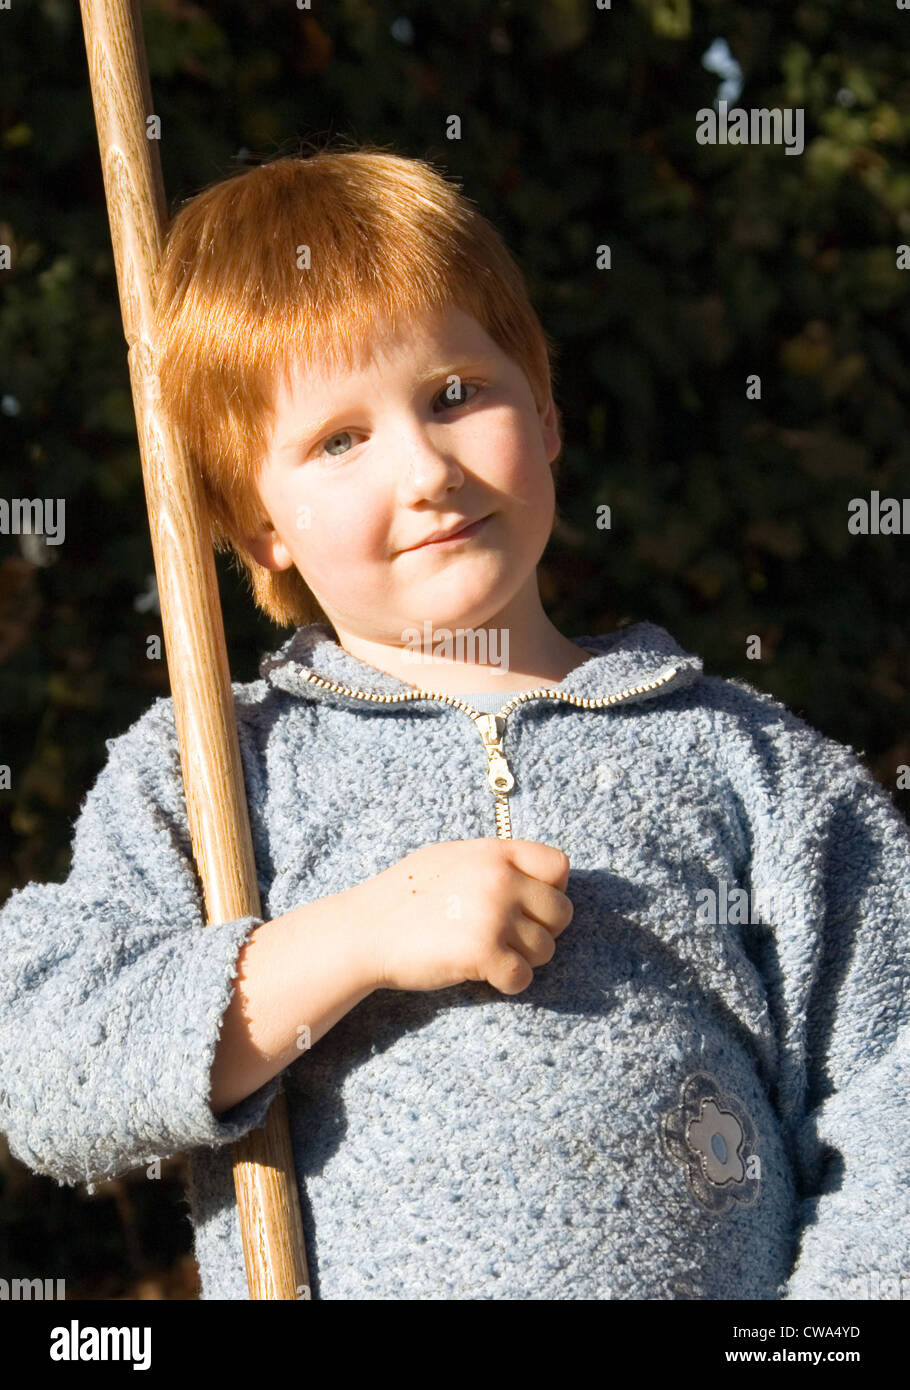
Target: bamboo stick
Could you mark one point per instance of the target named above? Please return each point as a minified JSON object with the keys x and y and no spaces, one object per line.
{"x":191,"y":616}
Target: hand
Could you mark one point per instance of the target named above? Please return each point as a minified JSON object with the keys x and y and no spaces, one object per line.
{"x":486,"y":909}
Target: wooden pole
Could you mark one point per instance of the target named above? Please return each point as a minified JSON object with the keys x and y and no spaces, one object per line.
{"x":191,"y":616}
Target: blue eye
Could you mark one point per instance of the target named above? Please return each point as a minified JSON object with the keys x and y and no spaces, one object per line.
{"x":340,"y":434}
{"x":324,"y":448}
{"x":462,"y":385}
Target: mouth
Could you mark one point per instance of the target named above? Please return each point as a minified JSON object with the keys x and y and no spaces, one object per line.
{"x":464,"y":534}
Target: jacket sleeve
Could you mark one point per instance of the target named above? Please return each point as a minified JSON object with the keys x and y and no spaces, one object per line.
{"x":112,"y":991}
{"x":852,"y":1130}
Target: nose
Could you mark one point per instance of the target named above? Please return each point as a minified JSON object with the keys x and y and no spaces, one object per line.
{"x":429,"y":472}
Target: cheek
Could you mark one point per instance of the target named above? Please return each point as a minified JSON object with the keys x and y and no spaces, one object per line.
{"x":341,"y":525}
{"x":523,"y":474}
{"x":513,"y":450}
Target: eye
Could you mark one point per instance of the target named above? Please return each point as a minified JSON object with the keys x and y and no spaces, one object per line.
{"x":333,"y":438}
{"x":447,"y":395}
{"x":326,"y":447}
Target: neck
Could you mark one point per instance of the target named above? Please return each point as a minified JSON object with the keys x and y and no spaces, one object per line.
{"x":519,"y":648}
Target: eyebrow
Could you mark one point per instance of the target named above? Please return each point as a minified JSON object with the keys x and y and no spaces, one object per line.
{"x":315,"y":431}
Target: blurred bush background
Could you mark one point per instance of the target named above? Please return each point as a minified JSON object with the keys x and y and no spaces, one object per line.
{"x":729,"y":515}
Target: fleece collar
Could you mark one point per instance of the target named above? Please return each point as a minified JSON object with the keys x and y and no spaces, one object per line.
{"x":618,"y":661}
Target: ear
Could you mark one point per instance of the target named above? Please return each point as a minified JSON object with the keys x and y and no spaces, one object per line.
{"x":268,"y":549}
{"x":549,"y":426}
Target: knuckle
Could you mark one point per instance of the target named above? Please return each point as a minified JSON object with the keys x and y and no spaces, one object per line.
{"x":498,"y":877}
{"x":515,"y":972}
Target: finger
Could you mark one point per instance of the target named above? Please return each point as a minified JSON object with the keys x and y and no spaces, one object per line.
{"x":544,"y":904}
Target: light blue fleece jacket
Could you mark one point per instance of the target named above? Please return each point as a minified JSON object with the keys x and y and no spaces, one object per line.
{"x":684,"y":1104}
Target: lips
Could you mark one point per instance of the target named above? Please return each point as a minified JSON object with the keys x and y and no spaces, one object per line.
{"x":464,"y":532}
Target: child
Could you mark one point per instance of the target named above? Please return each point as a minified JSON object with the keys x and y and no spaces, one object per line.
{"x":678,"y":1072}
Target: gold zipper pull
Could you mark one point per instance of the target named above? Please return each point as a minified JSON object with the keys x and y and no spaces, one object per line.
{"x":499,"y":776}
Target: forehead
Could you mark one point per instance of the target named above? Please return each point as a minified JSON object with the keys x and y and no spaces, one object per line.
{"x":419,"y":341}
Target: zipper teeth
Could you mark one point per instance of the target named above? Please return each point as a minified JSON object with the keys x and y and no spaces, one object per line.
{"x":543,"y":692}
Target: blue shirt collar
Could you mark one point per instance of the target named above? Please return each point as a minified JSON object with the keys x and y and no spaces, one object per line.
{"x":617,"y":663}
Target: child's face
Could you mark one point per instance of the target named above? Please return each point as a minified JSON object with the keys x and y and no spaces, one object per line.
{"x":361,"y":467}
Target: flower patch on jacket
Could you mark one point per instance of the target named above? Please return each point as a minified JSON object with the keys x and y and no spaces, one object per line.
{"x":711,"y":1135}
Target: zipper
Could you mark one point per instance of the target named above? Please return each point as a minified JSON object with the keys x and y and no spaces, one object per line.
{"x":491,"y":727}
